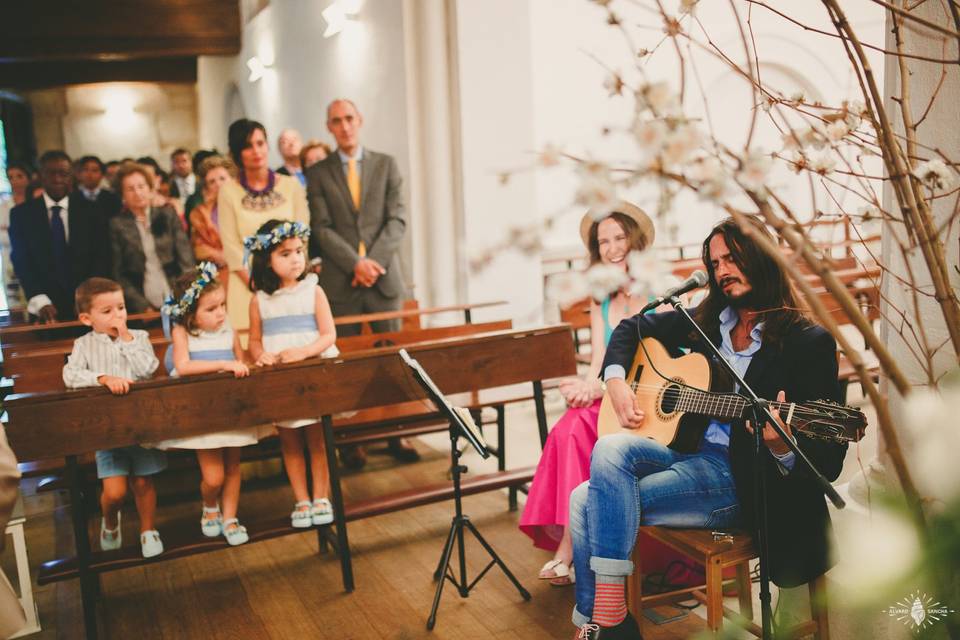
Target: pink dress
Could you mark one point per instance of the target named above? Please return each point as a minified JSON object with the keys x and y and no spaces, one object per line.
{"x":564,"y":465}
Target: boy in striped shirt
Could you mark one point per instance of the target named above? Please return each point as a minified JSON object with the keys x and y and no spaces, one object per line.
{"x":115,"y":357}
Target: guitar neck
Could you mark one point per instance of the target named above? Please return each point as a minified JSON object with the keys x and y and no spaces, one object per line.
{"x":727,"y":406}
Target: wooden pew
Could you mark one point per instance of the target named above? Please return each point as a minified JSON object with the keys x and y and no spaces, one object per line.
{"x":95,"y":419}
{"x":60,"y":332}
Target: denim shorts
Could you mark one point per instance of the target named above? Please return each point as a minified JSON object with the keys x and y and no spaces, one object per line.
{"x":133,"y":460}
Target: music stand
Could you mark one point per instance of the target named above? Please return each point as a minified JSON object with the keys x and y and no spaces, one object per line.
{"x":461,"y":425}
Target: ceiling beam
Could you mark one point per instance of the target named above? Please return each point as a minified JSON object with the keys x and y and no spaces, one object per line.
{"x":54,"y":73}
{"x":36,"y":30}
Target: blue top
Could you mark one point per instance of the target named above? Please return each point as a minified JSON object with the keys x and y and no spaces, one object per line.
{"x":605,"y":312}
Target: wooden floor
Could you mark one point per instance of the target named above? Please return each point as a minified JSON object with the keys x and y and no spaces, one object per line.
{"x":283,"y":589}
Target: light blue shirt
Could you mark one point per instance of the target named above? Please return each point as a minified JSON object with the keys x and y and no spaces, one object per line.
{"x":345,"y":159}
{"x":718,"y":433}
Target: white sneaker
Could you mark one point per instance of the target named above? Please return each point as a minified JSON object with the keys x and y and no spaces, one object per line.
{"x":321,"y":512}
{"x":110,"y":539}
{"x":150,"y":543}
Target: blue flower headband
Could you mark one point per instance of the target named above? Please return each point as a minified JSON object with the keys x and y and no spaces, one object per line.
{"x":263,"y":241}
{"x":175,"y":309}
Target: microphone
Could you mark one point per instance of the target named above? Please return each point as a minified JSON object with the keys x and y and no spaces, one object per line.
{"x":696,"y":280}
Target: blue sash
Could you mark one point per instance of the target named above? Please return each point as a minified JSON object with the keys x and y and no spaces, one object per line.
{"x":206,"y":354}
{"x":289,"y":324}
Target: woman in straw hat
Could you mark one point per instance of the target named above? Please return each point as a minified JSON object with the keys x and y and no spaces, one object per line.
{"x":565,"y":462}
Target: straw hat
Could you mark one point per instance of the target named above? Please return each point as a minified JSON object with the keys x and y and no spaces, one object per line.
{"x":627,"y":208}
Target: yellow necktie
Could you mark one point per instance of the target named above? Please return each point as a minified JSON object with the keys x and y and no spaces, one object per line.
{"x":353,"y":183}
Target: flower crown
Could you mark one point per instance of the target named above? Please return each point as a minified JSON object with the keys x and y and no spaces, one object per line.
{"x":263,"y":241}
{"x":176,"y":309}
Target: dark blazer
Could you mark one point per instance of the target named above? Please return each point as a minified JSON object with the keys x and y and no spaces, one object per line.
{"x":129,"y":261}
{"x":32,"y":249}
{"x":338,"y":227}
{"x":107,"y":202}
{"x":805,"y":367}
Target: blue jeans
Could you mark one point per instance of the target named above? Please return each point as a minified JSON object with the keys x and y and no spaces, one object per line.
{"x":634,"y":481}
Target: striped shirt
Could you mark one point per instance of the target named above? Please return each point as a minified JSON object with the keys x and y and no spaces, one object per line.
{"x":97,"y":354}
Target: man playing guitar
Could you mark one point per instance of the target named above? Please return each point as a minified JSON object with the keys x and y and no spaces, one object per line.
{"x":751,"y":310}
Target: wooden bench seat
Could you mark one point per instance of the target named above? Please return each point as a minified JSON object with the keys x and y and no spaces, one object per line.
{"x":183,"y":541}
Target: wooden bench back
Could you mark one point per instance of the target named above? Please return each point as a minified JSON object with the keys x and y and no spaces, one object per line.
{"x":37,"y":369}
{"x":54,"y":424}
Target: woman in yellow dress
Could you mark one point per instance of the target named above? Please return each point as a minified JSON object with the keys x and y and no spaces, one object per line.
{"x":257,"y":195}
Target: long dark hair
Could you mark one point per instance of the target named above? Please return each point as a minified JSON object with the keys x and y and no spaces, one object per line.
{"x":635,"y":237}
{"x":772,"y":294}
{"x":262,"y":276}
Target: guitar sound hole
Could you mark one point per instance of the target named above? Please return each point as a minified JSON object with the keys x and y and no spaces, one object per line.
{"x":670,"y":398}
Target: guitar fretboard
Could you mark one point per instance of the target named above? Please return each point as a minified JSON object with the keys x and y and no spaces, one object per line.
{"x":728,"y":406}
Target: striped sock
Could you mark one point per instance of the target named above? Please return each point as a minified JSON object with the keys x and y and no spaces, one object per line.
{"x":609,"y":603}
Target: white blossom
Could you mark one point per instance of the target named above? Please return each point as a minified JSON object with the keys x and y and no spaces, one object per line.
{"x":837,"y":130}
{"x":936,"y":174}
{"x":613,"y":83}
{"x":681,"y":144}
{"x":857,"y":107}
{"x":649,"y":273}
{"x":658,"y":98}
{"x":549,"y":156}
{"x":596,"y":190}
{"x":823,"y":163}
{"x":567,"y":288}
{"x":790,"y":141}
{"x":604,"y":279}
{"x":876,"y":551}
{"x":650,"y":135}
{"x":526,"y":238}
{"x":754,"y":171}
{"x":931,"y":420}
{"x":710,"y":177}
{"x":797,"y":96}
{"x":687,"y":6}
{"x":813,"y":138}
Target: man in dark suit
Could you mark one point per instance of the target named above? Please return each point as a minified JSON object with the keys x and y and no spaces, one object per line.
{"x":57,"y":241}
{"x":358,"y":219}
{"x":91,"y":187}
{"x":751,"y":312}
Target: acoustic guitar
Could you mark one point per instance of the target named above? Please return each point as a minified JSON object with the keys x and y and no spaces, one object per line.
{"x":679,"y":396}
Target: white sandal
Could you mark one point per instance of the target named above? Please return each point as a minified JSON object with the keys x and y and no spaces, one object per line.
{"x":234,"y":534}
{"x":301,"y":518}
{"x":211,"y":527}
{"x":559,"y":569}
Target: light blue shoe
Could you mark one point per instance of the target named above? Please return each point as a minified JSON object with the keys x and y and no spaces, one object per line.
{"x":110,"y":539}
{"x":211,"y":527}
{"x":321,"y":512}
{"x":301,"y":516}
{"x":234,"y":532}
{"x":150,"y":543}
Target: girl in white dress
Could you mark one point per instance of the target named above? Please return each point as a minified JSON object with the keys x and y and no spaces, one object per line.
{"x":203,"y":342}
{"x":290,"y":320}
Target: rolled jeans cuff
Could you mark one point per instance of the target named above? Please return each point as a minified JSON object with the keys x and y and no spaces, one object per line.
{"x":611,"y":566}
{"x":579,"y":619}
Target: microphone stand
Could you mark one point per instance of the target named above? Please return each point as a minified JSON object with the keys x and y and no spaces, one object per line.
{"x":761,"y":414}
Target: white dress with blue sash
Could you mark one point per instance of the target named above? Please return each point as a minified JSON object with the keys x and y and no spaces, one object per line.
{"x":289,"y":319}
{"x":207,"y":345}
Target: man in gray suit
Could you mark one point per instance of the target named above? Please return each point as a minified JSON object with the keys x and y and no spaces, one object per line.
{"x":358,"y":220}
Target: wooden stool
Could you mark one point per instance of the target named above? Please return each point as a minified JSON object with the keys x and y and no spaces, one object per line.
{"x":699,"y":546}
